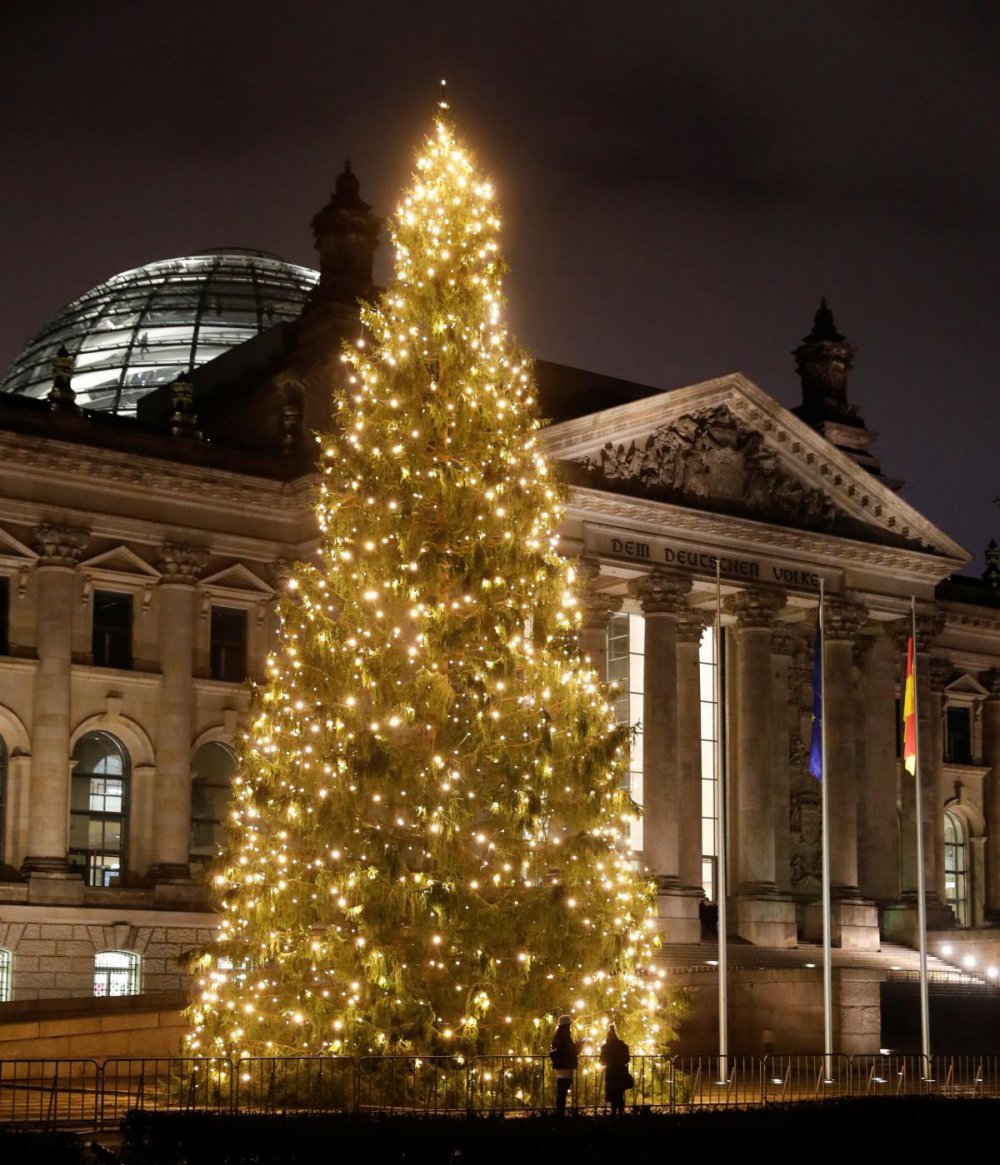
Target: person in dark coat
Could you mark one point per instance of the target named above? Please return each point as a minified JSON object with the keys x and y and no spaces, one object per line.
{"x":565,"y":1055}
{"x":615,"y":1058}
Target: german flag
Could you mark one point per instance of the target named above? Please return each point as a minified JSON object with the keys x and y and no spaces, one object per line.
{"x":910,"y":712}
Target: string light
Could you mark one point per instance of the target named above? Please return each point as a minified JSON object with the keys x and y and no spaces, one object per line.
{"x":426,"y":849}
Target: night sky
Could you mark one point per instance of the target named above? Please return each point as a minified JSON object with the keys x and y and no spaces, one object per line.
{"x":679,"y":182}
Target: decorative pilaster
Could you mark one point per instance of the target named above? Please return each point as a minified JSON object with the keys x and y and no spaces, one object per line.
{"x":991,"y":757}
{"x":60,"y":549}
{"x":180,"y":567}
{"x":762,"y":914}
{"x":662,"y":595}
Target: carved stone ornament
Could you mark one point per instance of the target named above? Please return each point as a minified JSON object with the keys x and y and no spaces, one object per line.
{"x":755,"y":608}
{"x":710,"y":460}
{"x":60,"y":545}
{"x":181,"y":564}
{"x":941,"y":671}
{"x":183,"y":421}
{"x":843,"y":620}
{"x":691,"y":625}
{"x":597,"y":607}
{"x":661,"y":592}
{"x":783,"y":641}
{"x":991,"y":682}
{"x":62,"y":398}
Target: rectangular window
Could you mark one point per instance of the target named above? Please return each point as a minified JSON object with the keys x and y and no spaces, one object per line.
{"x":4,"y":616}
{"x":959,"y":743}
{"x":229,"y":644}
{"x":112,"y":637}
{"x":707,"y":665}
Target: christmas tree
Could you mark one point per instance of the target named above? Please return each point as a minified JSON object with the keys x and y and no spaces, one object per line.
{"x":425,"y":850}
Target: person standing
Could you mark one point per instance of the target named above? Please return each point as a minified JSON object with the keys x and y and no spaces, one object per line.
{"x":615,"y":1058}
{"x":565,"y":1055}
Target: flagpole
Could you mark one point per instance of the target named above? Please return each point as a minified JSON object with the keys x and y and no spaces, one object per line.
{"x":925,"y":1023}
{"x":721,"y":868}
{"x":825,"y":819}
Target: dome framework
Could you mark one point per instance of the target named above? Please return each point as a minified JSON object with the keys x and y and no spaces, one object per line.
{"x":145,"y":327}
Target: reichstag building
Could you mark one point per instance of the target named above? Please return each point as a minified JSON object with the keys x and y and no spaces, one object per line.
{"x":156,"y":484}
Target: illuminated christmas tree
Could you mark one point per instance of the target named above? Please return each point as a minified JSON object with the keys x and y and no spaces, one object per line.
{"x":425,"y":852}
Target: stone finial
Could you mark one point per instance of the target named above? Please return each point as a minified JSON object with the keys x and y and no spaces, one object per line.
{"x":346,"y":236}
{"x":843,"y":620}
{"x":183,"y":421}
{"x":661,"y":592}
{"x":823,"y":362}
{"x":62,"y":398}
{"x":293,"y":392}
{"x":181,"y":564}
{"x":755,"y":607}
{"x":60,"y":545}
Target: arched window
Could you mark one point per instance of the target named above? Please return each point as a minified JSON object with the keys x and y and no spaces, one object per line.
{"x":3,"y":797}
{"x":116,"y":973}
{"x":6,"y":962}
{"x":211,"y":788}
{"x":98,"y":824}
{"x":956,"y":880}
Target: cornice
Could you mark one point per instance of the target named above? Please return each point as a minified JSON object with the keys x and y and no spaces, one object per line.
{"x":149,"y":476}
{"x":750,"y":537}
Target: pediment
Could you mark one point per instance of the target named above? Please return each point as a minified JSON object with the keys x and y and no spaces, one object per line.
{"x":967,"y":685}
{"x":120,"y":560}
{"x":726,"y":447}
{"x":238,"y":578}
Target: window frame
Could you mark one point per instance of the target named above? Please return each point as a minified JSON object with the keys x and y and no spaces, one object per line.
{"x":91,"y":865}
{"x":201,"y":860}
{"x":221,"y":673}
{"x":132,"y":970}
{"x":109,"y":658}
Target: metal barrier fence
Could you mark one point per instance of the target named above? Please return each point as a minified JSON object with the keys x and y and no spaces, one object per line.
{"x":88,"y":1094}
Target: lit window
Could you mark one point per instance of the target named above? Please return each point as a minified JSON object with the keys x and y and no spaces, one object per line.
{"x":98,"y":824}
{"x":956,"y":882}
{"x":229,"y":644}
{"x":707,"y":664}
{"x":116,"y":973}
{"x":112,"y":633}
{"x":211,"y":788}
{"x":6,"y":964}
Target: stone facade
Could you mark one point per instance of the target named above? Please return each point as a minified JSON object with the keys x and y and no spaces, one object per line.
{"x":195,"y":516}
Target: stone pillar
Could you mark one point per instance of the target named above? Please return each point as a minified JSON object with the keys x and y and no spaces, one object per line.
{"x":783,"y":642}
{"x":180,"y":566}
{"x":662,"y":597}
{"x":689,"y":632}
{"x":901,"y":922}
{"x":761,"y":914}
{"x":854,"y":920}
{"x":878,"y":813}
{"x":991,"y":757}
{"x":60,"y":549}
{"x":597,"y":608}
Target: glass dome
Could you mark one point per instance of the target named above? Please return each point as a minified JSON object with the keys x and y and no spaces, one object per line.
{"x":146,"y":327}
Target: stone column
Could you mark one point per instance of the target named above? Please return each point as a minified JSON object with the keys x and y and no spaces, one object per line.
{"x":901,"y":921}
{"x":597,"y":608}
{"x":878,"y":814}
{"x":662,"y":597}
{"x":854,"y":920}
{"x":689,"y":632}
{"x":783,"y":642}
{"x":762,"y":914}
{"x":60,"y":549}
{"x":991,"y":757}
{"x":180,"y":566}
{"x":939,"y":672}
